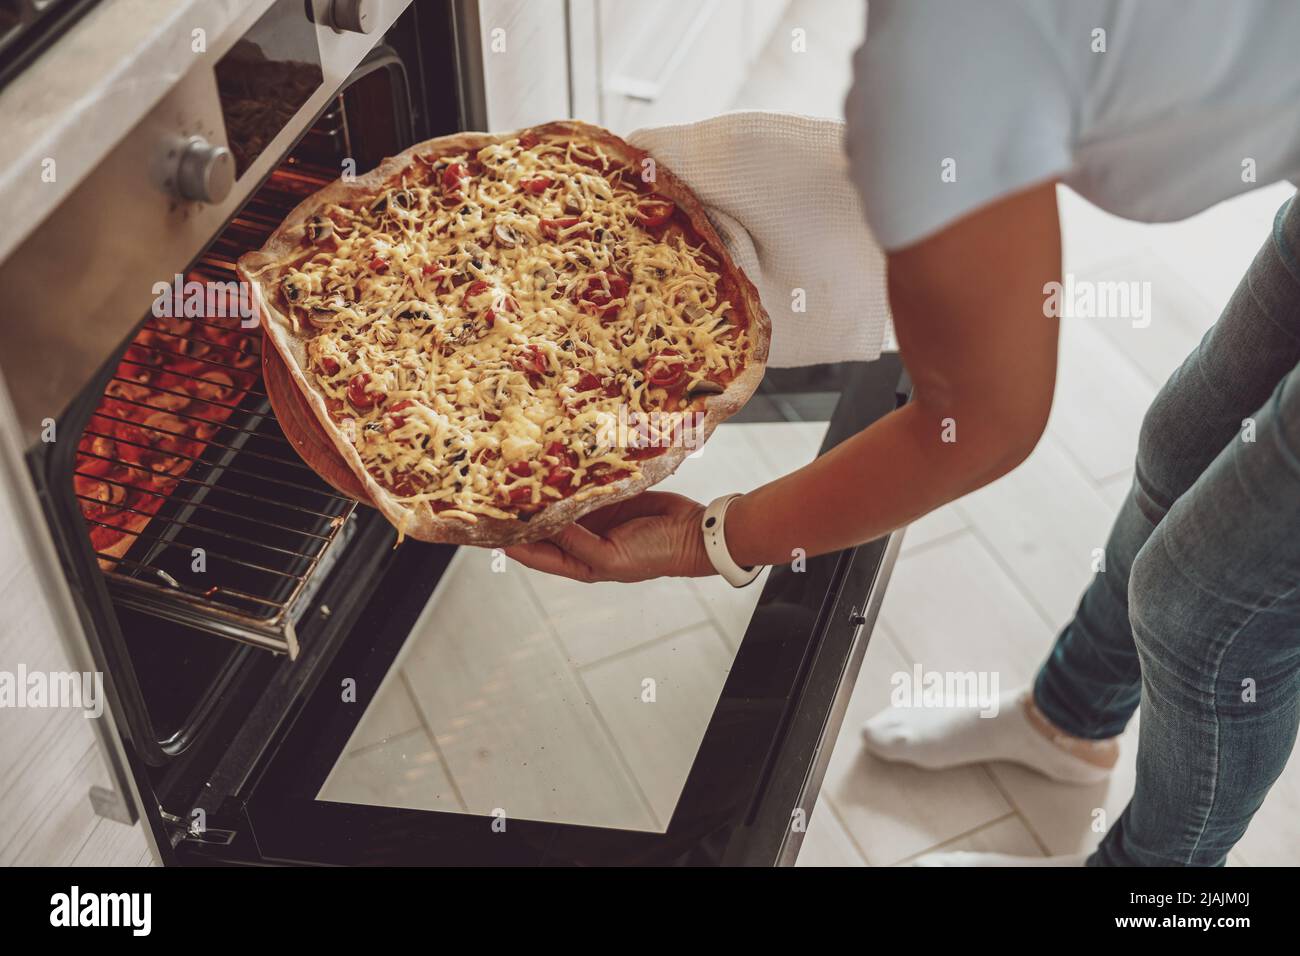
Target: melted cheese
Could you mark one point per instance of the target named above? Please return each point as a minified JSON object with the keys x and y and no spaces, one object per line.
{"x":461,"y":329}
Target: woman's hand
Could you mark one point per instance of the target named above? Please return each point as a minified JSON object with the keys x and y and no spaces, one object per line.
{"x":654,"y":535}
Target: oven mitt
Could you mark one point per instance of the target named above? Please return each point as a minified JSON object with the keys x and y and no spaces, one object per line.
{"x":777,"y":189}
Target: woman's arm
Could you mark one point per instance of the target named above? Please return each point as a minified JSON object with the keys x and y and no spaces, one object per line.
{"x":968,"y":313}
{"x":968,"y":306}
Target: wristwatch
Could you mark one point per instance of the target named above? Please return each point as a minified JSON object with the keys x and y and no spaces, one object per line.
{"x":713,"y":527}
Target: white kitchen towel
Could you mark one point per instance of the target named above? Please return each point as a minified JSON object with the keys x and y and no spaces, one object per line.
{"x":777,"y":189}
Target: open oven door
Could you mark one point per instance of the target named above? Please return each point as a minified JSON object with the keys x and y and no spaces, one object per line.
{"x":482,"y":713}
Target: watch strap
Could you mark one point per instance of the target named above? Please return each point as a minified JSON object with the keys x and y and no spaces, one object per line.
{"x":713,"y":527}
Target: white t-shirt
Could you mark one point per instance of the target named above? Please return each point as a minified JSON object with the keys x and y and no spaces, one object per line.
{"x":1151,"y":109}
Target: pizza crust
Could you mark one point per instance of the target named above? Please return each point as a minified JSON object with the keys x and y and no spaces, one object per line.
{"x":489,"y":531}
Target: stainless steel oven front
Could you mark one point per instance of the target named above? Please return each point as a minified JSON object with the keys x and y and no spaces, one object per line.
{"x":285,"y":684}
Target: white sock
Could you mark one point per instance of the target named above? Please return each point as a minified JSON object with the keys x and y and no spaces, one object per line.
{"x":962,"y":858}
{"x":935,"y":738}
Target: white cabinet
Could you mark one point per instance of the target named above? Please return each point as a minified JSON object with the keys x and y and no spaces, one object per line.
{"x":619,"y":63}
{"x":672,"y":61}
{"x":525,"y":61}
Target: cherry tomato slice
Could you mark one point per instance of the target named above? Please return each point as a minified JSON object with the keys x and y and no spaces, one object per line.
{"x":559,"y":477}
{"x":602,"y":291}
{"x":531,"y":360}
{"x":400,"y":420}
{"x":357,"y":394}
{"x":655,"y":211}
{"x":663,"y":372}
{"x":561,"y":454}
{"x":551,"y":228}
{"x":405,"y":487}
{"x":475,"y":288}
{"x":439,"y":279}
{"x":453,"y":177}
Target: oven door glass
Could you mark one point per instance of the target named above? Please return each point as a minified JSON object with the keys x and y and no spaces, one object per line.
{"x":484,"y":712}
{"x":543,"y":698}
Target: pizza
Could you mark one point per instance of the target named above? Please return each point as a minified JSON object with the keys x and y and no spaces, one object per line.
{"x":500,"y":333}
{"x":176,"y":384}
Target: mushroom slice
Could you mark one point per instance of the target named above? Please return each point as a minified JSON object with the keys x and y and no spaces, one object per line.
{"x":319,"y":228}
{"x":291,"y":289}
{"x":705,"y":387}
{"x":214,"y":384}
{"x":505,"y":237}
{"x":168,"y":400}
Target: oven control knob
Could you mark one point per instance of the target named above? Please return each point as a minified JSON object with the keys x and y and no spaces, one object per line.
{"x":353,"y":16}
{"x":205,"y":172}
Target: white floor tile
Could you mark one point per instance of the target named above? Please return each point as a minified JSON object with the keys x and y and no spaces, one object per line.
{"x":1100,"y":400}
{"x":1008,"y":835}
{"x":942,"y":523}
{"x":1045,"y":522}
{"x":1178,"y":317}
{"x":827,"y":843}
{"x":1116,"y":489}
{"x":659,"y":738}
{"x":952,"y":608}
{"x":895,"y":811}
{"x":784,"y":446}
{"x":1213,"y":249}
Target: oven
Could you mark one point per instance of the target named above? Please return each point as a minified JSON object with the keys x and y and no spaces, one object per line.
{"x":288,"y":684}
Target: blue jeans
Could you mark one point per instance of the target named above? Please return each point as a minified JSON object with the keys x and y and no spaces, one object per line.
{"x":1196,"y":617}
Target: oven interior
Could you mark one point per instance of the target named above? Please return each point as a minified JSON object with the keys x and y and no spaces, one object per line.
{"x":217,"y":571}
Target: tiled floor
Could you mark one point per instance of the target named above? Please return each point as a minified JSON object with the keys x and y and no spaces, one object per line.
{"x":986,"y":582}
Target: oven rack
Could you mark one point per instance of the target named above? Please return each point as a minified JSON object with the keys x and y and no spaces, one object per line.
{"x":266,"y":528}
